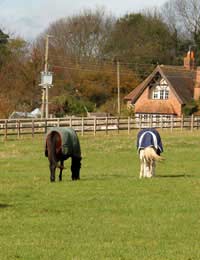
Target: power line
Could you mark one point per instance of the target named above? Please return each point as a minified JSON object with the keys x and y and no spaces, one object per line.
{"x":123,"y":73}
{"x":90,"y":70}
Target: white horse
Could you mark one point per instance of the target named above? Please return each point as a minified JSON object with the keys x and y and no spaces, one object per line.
{"x":149,"y":147}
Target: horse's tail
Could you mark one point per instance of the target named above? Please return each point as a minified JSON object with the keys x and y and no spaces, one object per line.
{"x":53,"y":146}
{"x":150,"y":154}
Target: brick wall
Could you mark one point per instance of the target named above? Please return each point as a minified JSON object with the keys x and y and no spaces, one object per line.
{"x":172,"y":101}
{"x":197,"y":85}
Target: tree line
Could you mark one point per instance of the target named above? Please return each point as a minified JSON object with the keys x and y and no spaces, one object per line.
{"x":83,"y":54}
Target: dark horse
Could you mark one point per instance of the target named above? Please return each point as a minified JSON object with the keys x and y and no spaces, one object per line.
{"x":62,"y":143}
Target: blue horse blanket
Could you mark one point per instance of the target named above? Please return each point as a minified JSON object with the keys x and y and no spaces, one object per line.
{"x":149,"y":137}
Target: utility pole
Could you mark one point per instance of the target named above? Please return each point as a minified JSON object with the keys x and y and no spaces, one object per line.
{"x":46,"y":71}
{"x":46,"y":82}
{"x":118,"y":87}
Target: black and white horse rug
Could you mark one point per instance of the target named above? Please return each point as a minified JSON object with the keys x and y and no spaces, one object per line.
{"x":62,"y":143}
{"x":149,"y":146}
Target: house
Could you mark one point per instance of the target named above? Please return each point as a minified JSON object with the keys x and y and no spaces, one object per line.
{"x":167,"y":90}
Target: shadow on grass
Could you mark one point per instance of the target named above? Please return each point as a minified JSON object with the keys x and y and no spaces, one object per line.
{"x":175,"y":176}
{"x":107,"y":177}
{"x":2,"y":205}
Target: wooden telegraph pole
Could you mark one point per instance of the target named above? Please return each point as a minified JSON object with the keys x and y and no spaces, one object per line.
{"x":118,"y":88}
{"x":46,"y":81}
{"x":46,"y":71}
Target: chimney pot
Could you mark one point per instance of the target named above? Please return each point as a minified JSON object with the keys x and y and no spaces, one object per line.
{"x":189,"y":61}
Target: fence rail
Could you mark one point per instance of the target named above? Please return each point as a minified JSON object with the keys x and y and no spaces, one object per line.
{"x":32,"y":127}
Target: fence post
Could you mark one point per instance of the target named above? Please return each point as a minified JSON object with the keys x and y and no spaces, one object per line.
{"x":33,"y":128}
{"x":182,"y":122}
{"x":140,"y":122}
{"x":18,"y":129}
{"x":151,"y":121}
{"x":161,"y":122}
{"x":45,"y":126}
{"x":172,"y":122}
{"x":106,"y":124}
{"x":70,"y":121}
{"x":128,"y":125}
{"x":95,"y":125}
{"x":6,"y":129}
{"x":118,"y":125}
{"x":192,"y":122}
{"x":197,"y":118}
{"x":82,"y":126}
{"x":58,"y":122}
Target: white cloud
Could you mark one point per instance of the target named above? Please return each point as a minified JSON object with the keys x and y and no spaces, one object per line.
{"x":29,"y":18}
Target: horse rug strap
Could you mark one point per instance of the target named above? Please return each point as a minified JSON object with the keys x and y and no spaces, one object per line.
{"x":70,"y":141}
{"x":149,"y":138}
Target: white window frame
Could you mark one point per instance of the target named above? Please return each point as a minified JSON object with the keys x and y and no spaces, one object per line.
{"x":160,"y":91}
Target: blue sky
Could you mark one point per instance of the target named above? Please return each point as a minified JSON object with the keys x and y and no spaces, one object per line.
{"x":28,"y":18}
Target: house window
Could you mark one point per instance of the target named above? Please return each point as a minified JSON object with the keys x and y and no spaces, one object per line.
{"x":160,"y":90}
{"x":155,"y":94}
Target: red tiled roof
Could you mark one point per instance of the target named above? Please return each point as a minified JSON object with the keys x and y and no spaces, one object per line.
{"x":181,"y":81}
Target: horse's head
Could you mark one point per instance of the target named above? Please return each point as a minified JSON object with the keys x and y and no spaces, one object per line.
{"x":75,"y":167}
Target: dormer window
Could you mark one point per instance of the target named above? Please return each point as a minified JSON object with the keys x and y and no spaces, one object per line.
{"x":160,"y":90}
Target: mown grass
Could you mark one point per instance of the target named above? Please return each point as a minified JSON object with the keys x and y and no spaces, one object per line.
{"x":109,"y":213}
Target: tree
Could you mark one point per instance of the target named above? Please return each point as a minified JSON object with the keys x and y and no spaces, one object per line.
{"x":3,"y":47}
{"x":93,"y":82}
{"x":80,"y":36}
{"x":19,"y":78}
{"x":141,"y":39}
{"x":77,"y":59}
{"x":183,"y":17}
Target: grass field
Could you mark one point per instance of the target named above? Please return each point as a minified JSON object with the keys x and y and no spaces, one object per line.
{"x":109,"y":213}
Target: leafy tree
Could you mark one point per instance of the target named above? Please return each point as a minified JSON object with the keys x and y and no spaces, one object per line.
{"x":68,"y":105}
{"x":190,"y":108}
{"x":3,"y":47}
{"x":95,"y":83}
{"x":141,"y":38}
{"x":18,"y":78}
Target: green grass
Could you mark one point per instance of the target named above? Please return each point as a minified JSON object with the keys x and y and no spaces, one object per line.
{"x":109,"y":213}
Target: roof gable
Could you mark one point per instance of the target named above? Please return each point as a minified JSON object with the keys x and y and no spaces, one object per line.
{"x":180,"y":80}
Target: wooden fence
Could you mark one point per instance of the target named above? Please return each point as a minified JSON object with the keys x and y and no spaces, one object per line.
{"x":20,"y":127}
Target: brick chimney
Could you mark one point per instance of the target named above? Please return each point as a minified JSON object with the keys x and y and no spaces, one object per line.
{"x":189,"y":60}
{"x":197,"y":85}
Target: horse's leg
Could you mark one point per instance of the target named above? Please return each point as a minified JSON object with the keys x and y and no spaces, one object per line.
{"x":52,"y":172}
{"x":148,"y":169}
{"x":141,"y":164}
{"x":144,"y":167}
{"x":153,"y":168}
{"x":61,"y":169}
{"x":141,"y":168}
{"x":75,"y":168}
